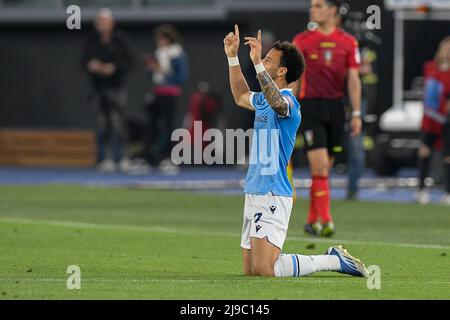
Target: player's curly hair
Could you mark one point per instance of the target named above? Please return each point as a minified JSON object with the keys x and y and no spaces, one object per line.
{"x":292,"y":59}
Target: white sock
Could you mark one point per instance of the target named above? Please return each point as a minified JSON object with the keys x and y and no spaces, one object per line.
{"x":295,"y":265}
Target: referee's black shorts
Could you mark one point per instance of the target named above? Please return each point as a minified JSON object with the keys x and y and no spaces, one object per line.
{"x":323,"y":122}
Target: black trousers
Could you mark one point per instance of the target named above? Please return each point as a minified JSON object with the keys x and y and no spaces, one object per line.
{"x":160,"y":116}
{"x":111,"y":128}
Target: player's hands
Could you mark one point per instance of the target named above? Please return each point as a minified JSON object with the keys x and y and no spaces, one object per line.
{"x":255,"y":48}
{"x":98,"y":67}
{"x":356,"y":126}
{"x":108,"y":69}
{"x":151,"y":62}
{"x":94,"y":65}
{"x":231,"y":43}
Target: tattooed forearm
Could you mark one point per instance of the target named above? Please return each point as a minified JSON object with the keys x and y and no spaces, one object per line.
{"x":272,"y":93}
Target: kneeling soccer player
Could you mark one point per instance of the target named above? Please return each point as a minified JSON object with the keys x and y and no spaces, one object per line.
{"x":268,"y":193}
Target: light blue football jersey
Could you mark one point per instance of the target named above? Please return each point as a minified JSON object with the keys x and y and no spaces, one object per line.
{"x":272,"y":146}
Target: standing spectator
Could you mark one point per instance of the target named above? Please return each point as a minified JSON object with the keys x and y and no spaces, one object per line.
{"x":203,"y":106}
{"x":355,"y":152}
{"x":107,"y":59}
{"x":169,"y":70}
{"x":354,"y":146}
{"x":332,"y":69}
{"x":435,"y":123}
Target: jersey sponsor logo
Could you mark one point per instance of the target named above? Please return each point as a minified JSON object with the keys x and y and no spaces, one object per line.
{"x":258,"y":216}
{"x":258,"y":227}
{"x":263,"y":141}
{"x":327,"y":44}
{"x":261,"y":118}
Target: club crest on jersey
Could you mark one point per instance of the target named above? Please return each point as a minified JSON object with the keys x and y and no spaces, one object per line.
{"x":309,"y":137}
{"x":328,"y":56}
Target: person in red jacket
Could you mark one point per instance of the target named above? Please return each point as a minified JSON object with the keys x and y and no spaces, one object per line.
{"x":435,"y":123}
{"x":203,"y":107}
{"x":332,"y":68}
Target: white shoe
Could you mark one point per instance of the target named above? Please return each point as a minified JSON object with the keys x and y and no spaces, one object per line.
{"x":107,"y":166}
{"x":138,"y":167}
{"x":125,"y":165}
{"x":446,"y":199}
{"x":422,"y":197}
{"x":167,"y":167}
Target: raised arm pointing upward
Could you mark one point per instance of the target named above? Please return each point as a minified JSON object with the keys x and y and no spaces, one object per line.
{"x":239,"y":87}
{"x":272,"y":72}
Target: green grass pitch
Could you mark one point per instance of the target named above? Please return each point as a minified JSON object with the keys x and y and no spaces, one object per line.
{"x":143,"y":244}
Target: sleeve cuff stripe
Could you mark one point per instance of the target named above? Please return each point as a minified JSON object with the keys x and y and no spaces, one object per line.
{"x":252,"y":94}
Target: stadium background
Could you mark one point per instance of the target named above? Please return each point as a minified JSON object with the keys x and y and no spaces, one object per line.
{"x":30,"y":49}
{"x":127,"y":236}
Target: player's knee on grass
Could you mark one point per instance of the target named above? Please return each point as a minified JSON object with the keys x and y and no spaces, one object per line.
{"x":263,"y":256}
{"x":246,"y":262}
{"x":248,"y":272}
{"x":247,"y":268}
{"x":262,"y":269}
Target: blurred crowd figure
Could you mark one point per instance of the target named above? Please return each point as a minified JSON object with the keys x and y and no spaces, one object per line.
{"x":436,"y":119}
{"x":355,"y":152}
{"x":203,"y":106}
{"x":168,"y":69}
{"x":354,"y":146}
{"x":108,"y":60}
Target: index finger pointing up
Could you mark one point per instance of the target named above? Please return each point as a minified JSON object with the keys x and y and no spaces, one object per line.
{"x":236,"y":30}
{"x":259,"y":36}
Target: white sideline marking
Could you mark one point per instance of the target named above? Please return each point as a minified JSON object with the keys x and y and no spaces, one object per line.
{"x":71,"y":224}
